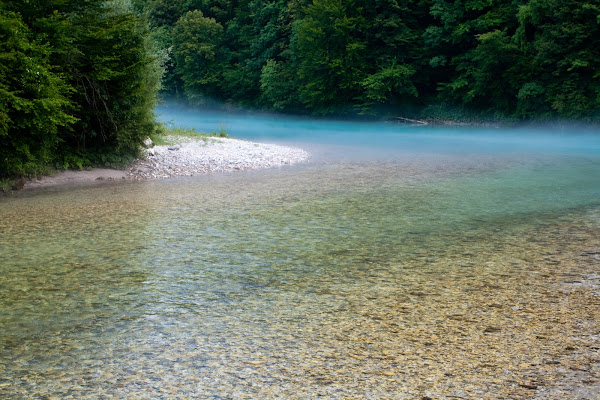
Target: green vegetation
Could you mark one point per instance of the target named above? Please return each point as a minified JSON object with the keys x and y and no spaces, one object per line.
{"x":79,"y":78}
{"x":78,"y":84}
{"x":169,"y":135}
{"x":6,"y":185}
{"x":505,"y":59}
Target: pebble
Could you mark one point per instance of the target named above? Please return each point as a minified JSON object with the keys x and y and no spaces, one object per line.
{"x":200,"y":156}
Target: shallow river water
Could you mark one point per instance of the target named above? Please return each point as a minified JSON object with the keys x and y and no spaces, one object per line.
{"x":398,"y":271}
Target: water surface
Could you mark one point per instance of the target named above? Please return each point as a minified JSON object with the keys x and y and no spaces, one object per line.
{"x":377,"y":140}
{"x":396,"y":269}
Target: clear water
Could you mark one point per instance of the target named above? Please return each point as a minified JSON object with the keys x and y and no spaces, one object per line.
{"x":365,"y":275}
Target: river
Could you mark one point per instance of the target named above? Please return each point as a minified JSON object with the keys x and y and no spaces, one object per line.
{"x":400,"y":263}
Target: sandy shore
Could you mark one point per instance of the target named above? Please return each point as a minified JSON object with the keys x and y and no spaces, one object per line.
{"x":188,"y":157}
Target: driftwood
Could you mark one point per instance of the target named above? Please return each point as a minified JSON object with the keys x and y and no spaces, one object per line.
{"x":408,"y":120}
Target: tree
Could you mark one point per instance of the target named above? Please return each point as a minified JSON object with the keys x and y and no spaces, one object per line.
{"x":389,"y":83}
{"x":507,"y":58}
{"x":259,"y":33}
{"x":491,"y":74}
{"x":115,"y":76}
{"x":196,"y":49}
{"x":331,"y":47}
{"x":79,"y":82}
{"x":166,"y":12}
{"x":34,"y":100}
{"x":566,"y":49}
{"x":279,"y":90}
{"x":457,"y":25}
{"x":394,"y":32}
{"x":222,"y":11}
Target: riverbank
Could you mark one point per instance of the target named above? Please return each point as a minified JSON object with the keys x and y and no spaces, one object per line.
{"x":186,"y":157}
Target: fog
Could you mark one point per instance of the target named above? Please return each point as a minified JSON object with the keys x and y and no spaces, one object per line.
{"x":354,"y":139}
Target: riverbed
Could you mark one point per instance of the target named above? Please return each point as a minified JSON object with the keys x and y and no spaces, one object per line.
{"x":412,"y":272}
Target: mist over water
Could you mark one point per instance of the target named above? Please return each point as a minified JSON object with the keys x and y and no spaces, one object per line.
{"x":503,"y":170}
{"x":381,"y":140}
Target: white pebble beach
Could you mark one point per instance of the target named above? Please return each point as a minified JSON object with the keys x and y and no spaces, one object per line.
{"x":188,"y":157}
{"x":212,"y":154}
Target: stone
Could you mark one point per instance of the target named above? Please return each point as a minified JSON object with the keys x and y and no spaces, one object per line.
{"x":191,"y":156}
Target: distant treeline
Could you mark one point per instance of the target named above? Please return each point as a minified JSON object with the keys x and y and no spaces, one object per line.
{"x":511,"y":59}
{"x":79,"y":78}
{"x":78,"y":84}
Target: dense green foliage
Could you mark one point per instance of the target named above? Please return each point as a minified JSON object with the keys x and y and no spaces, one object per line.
{"x":512,"y":59}
{"x":78,"y":78}
{"x":78,"y":83}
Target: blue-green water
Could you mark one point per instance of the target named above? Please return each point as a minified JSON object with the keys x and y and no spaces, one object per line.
{"x":372,"y":272}
{"x":376,"y":140}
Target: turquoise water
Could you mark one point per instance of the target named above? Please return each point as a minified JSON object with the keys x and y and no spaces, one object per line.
{"x":336,"y":278}
{"x":378,"y":140}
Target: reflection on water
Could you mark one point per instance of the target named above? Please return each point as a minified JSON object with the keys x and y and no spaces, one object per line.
{"x":440,"y":277}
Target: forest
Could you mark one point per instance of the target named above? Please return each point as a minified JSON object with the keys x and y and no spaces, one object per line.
{"x":79,"y":79}
{"x":511,"y":59}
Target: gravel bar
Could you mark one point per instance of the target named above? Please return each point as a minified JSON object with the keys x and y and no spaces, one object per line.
{"x":213,"y":154}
